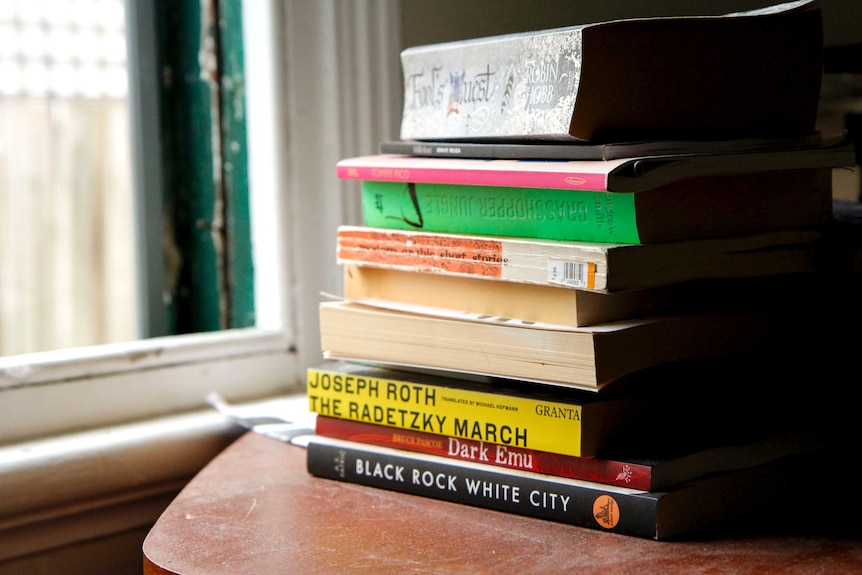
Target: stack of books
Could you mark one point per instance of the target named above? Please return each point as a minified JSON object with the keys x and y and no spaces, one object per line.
{"x":569,"y":295}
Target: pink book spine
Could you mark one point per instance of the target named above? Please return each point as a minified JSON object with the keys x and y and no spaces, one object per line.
{"x":513,"y":174}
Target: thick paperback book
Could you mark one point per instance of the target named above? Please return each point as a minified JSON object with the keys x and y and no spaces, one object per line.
{"x":584,"y":358}
{"x":648,"y":514}
{"x":396,"y":288}
{"x":623,"y":80}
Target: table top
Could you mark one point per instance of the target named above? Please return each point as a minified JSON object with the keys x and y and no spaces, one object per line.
{"x":254,"y":509}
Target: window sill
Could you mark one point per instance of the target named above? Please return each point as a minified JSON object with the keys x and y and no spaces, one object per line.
{"x":50,"y":394}
{"x":78,"y":487}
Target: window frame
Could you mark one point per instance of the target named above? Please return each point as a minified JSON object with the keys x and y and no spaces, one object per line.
{"x":50,"y":393}
{"x":139,"y":408}
{"x":302,"y":56}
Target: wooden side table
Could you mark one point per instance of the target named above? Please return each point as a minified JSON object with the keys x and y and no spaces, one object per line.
{"x":254,"y":509}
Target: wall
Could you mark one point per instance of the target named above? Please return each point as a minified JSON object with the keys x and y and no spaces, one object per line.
{"x":444,"y":20}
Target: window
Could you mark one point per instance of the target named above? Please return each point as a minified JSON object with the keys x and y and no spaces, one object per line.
{"x":67,"y":277}
{"x":138,"y":407}
{"x":300,"y":61}
{"x":66,"y":389}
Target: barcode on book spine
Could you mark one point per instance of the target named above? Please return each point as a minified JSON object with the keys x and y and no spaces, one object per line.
{"x":573,"y":274}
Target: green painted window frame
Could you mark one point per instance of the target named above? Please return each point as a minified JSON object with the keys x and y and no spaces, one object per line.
{"x":191,"y":166}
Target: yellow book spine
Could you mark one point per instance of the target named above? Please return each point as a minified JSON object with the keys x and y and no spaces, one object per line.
{"x":454,"y":412}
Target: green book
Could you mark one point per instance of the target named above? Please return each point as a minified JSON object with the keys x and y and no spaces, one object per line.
{"x":526,"y":212}
{"x":699,"y":207}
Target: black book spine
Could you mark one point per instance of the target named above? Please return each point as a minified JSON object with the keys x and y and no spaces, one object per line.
{"x":573,"y":502}
{"x":531,"y":151}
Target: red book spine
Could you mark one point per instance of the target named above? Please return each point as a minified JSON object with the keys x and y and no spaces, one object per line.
{"x":609,"y":472}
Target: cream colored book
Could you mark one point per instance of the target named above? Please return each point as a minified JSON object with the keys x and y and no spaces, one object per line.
{"x":587,"y":358}
{"x":395,"y":288}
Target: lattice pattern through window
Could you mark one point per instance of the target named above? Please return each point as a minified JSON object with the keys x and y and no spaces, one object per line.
{"x":63,"y":49}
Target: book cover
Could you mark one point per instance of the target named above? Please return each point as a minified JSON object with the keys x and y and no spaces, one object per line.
{"x":732,"y":204}
{"x":658,"y":413}
{"x":622,"y":175}
{"x":594,"y":82}
{"x":585,"y":266}
{"x":586,"y":357}
{"x":696,"y":208}
{"x":504,"y":413}
{"x":655,"y":515}
{"x":650,"y":474}
{"x":564,"y":150}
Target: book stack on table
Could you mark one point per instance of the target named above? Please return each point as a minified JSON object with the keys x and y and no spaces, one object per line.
{"x":567,"y":309}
